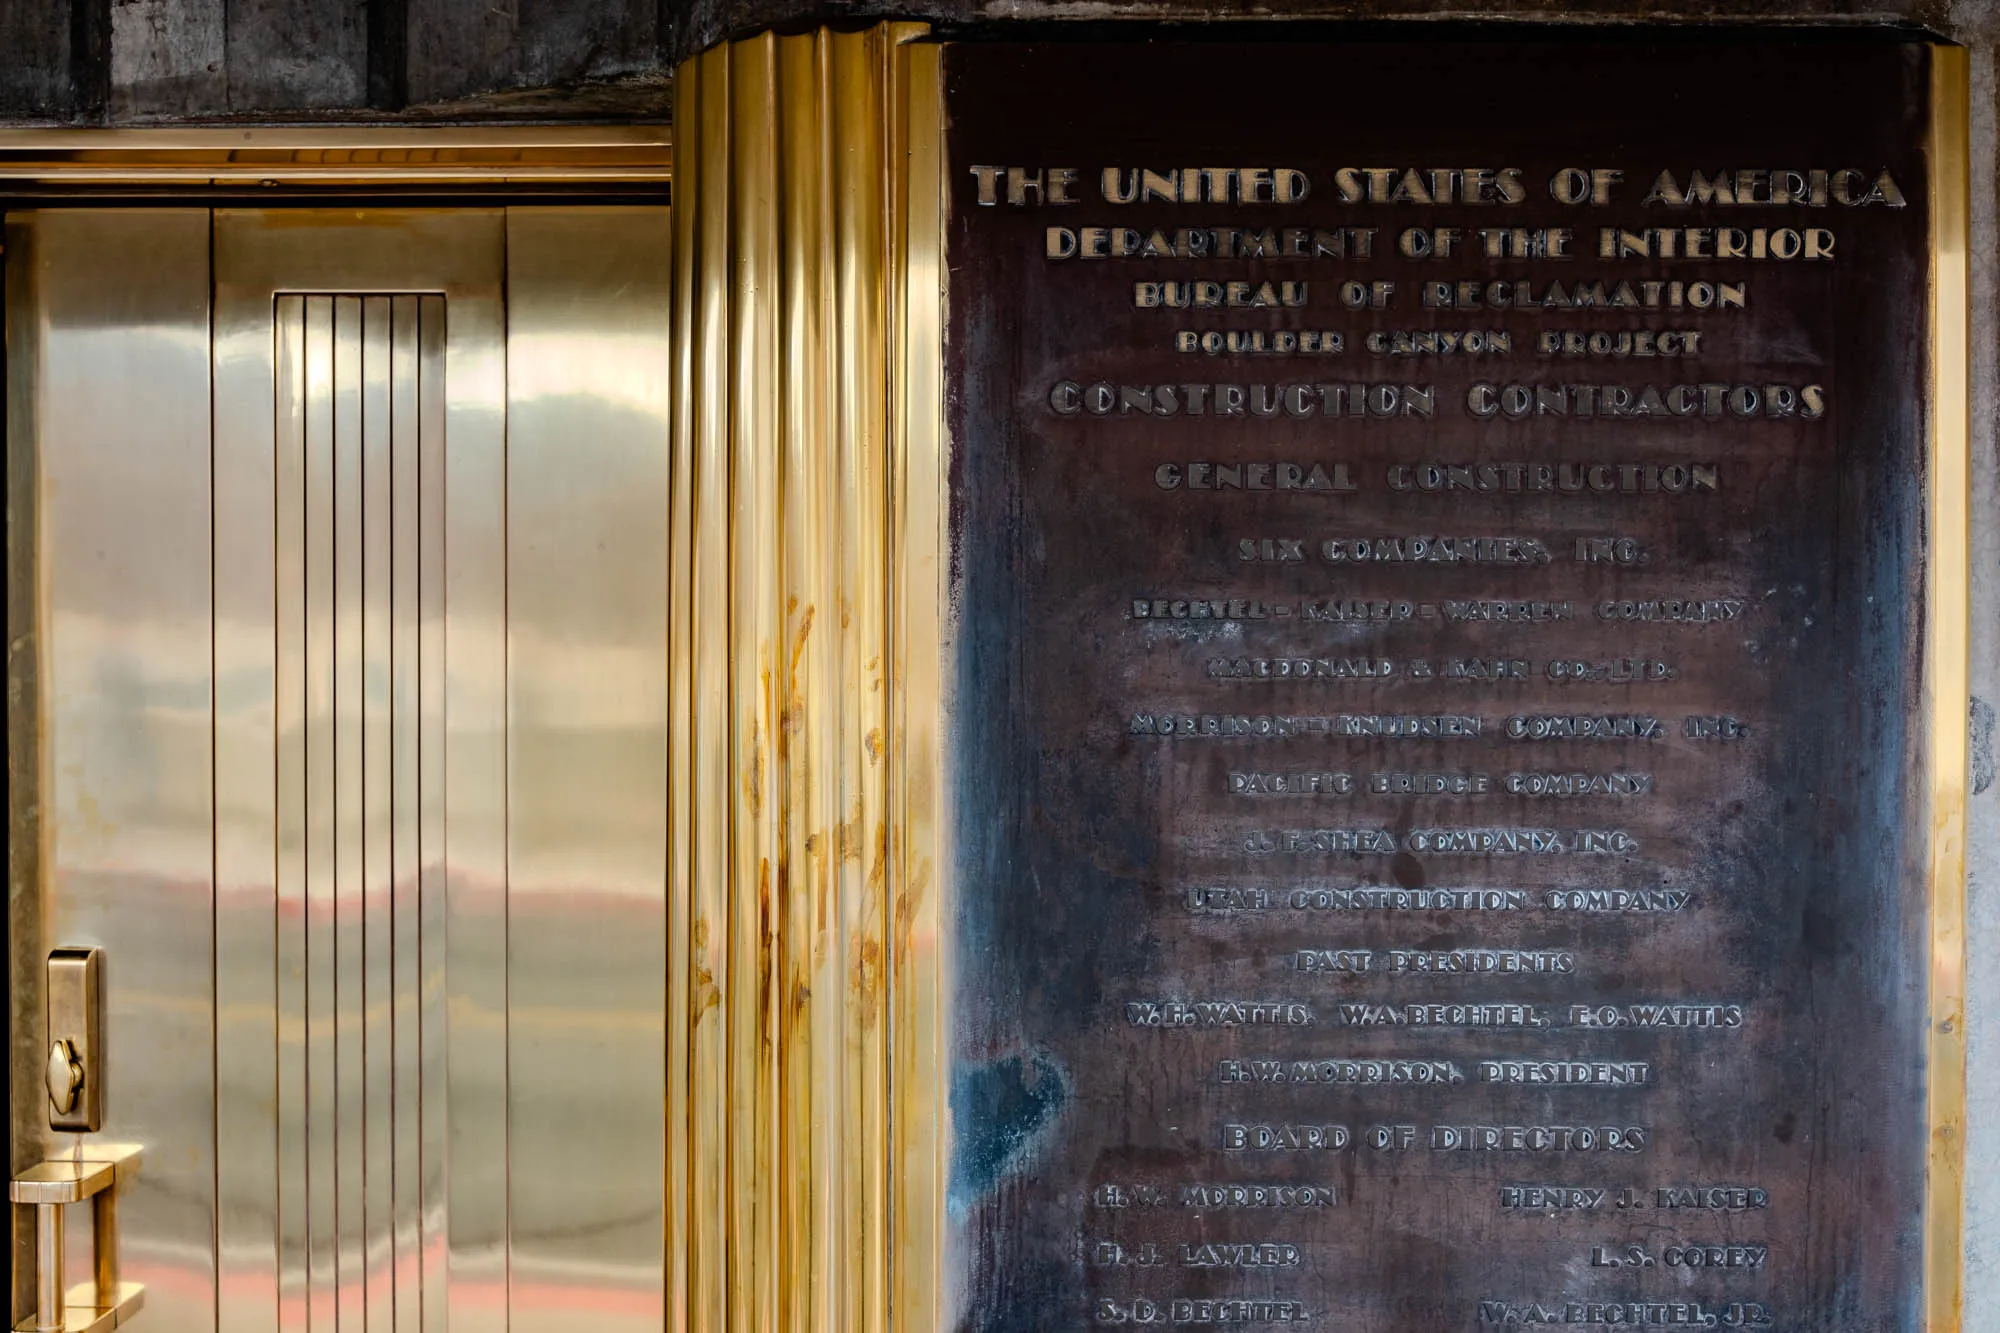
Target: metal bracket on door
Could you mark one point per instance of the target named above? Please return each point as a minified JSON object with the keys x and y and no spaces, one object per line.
{"x":76,"y":1103}
{"x":105,"y":1302}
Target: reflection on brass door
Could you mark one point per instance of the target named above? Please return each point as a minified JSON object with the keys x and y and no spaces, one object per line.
{"x":359,"y":412}
{"x":358,"y":486}
{"x":342,"y":639}
{"x":440,"y":736}
{"x":110,"y":682}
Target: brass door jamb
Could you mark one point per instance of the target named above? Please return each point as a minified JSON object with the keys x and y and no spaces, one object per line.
{"x":455,"y":156}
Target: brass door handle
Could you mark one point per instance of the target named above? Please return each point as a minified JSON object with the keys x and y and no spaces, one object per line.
{"x":65,"y":1076}
{"x":105,"y":1302}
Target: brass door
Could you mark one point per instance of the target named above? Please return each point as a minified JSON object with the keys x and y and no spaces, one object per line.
{"x":338,"y":621}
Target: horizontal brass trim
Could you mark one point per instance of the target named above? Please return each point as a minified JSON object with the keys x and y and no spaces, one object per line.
{"x":398,"y":155}
{"x":61,"y":1182}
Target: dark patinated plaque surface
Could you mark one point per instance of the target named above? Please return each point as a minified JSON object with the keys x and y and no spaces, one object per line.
{"x":1438,"y":557}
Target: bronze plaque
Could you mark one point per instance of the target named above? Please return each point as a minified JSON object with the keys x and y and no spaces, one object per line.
{"x":1439,"y":566}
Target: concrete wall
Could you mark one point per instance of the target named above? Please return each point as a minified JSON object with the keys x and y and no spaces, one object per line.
{"x":152,"y":61}
{"x":1982,"y":33}
{"x":120,"y":62}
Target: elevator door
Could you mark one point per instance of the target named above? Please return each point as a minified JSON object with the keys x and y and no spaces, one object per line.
{"x":338,"y":604}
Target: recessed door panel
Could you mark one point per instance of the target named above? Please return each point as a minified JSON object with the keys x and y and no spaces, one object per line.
{"x":360,"y":633}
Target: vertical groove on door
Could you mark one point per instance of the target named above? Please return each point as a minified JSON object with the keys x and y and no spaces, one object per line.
{"x":349,"y":819}
{"x":429,"y":719}
{"x":357,"y":723}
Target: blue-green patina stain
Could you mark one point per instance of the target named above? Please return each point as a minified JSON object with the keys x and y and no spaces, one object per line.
{"x":1000,"y":1112}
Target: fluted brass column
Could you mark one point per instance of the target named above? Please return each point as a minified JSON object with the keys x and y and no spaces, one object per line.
{"x":806,"y":1107}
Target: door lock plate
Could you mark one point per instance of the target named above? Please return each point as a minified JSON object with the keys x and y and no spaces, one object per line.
{"x":76,"y":1050}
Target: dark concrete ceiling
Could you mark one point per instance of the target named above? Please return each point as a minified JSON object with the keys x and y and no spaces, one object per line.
{"x":152,"y":61}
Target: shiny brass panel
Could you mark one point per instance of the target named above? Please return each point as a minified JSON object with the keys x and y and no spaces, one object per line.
{"x":862,"y":134}
{"x":810,"y":1222}
{"x":429,"y":817}
{"x":108,"y":427}
{"x":528,"y":154}
{"x":588,"y":502}
{"x":919,"y":506}
{"x":807,"y":634}
{"x":441,"y":584}
{"x":411,"y":319}
{"x":700,"y":778}
{"x":756,"y":649}
{"x":1946,"y":684}
{"x":332,"y":538}
{"x":475,"y":815}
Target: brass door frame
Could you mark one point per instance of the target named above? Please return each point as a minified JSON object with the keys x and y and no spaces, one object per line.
{"x":1947,"y":666}
{"x":556,"y":281}
{"x":198,"y":160}
{"x":196,"y":171}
